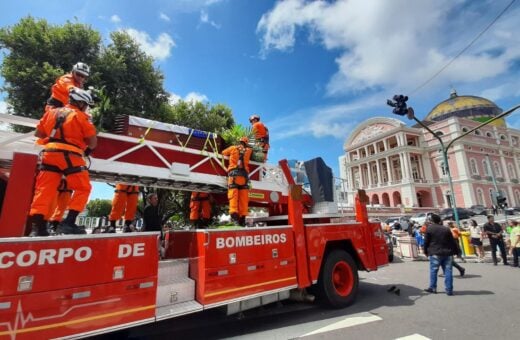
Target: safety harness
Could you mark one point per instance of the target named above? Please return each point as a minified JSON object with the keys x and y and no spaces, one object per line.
{"x":239,"y":171}
{"x":129,"y":190}
{"x":53,"y":144}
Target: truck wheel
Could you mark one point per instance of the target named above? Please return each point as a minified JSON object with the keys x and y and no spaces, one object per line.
{"x":338,"y":282}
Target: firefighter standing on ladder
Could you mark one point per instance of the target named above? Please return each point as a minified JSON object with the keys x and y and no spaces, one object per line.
{"x":238,"y":180}
{"x":125,"y":199}
{"x":261,"y":134}
{"x":68,"y":135}
{"x":63,"y":85}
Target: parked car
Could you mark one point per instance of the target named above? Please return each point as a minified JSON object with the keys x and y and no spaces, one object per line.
{"x":420,"y":218}
{"x":447,"y":214}
{"x":479,"y":209}
{"x":402,"y":220}
{"x":390,"y":246}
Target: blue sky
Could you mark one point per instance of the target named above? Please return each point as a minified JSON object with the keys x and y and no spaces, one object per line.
{"x":312,"y":70}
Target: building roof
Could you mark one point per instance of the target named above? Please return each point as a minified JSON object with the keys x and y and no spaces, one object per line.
{"x":471,"y":107}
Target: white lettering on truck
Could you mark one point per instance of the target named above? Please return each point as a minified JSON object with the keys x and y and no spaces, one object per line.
{"x":42,"y":257}
{"x":250,"y":240}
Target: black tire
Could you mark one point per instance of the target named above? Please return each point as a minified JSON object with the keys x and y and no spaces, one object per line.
{"x":338,"y":282}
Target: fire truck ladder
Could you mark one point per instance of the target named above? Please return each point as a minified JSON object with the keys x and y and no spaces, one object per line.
{"x":135,"y":161}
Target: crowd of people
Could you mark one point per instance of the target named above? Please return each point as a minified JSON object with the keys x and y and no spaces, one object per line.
{"x":441,"y":243}
{"x":68,"y":136}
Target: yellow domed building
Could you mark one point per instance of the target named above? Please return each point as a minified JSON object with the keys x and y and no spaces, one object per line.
{"x":402,"y":167}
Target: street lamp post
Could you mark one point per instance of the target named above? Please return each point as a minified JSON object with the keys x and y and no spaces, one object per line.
{"x":401,"y":109}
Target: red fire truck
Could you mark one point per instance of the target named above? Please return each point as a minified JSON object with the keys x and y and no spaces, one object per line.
{"x":78,"y":286}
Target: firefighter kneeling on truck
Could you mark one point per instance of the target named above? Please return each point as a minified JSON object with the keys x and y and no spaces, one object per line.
{"x":68,"y":135}
{"x":238,"y":180}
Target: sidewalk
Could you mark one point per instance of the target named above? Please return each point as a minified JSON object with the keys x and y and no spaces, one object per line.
{"x":469,"y":258}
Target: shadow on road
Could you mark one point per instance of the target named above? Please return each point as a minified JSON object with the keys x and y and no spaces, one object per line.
{"x":473,"y":292}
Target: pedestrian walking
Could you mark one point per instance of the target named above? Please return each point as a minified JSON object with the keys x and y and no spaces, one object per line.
{"x":494,"y":232}
{"x":440,"y":247}
{"x":515,"y":242}
{"x":476,"y":239}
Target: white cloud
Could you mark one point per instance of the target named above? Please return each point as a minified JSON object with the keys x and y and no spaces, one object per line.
{"x":192,"y":96}
{"x":327,"y":121}
{"x":115,"y":19}
{"x":159,"y":49}
{"x":204,"y":18}
{"x":164,"y":17}
{"x":396,"y":44}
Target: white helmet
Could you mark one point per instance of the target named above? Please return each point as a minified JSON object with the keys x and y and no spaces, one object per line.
{"x":81,"y":68}
{"x":79,"y":95}
{"x":254,"y":117}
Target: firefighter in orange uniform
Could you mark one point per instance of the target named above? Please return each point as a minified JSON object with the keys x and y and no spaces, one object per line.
{"x":59,"y":205}
{"x":238,"y":180}
{"x":61,"y":88}
{"x":261,"y":134}
{"x":67,"y":135}
{"x":125,"y":199}
{"x":200,"y":209}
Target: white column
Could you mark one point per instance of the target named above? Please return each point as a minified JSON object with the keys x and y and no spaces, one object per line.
{"x":369,"y":169}
{"x":385,"y":142}
{"x":379,"y":181}
{"x":389,"y":169}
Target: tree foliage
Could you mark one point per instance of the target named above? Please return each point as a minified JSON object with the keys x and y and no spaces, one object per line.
{"x":38,"y":54}
{"x":99,"y":207}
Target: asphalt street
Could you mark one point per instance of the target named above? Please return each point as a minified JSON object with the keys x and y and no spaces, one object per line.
{"x":485,"y":305}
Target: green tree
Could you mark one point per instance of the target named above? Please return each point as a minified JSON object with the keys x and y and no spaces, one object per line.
{"x":99,"y":207}
{"x":38,"y":53}
{"x":201,"y":116}
{"x":130,"y":81}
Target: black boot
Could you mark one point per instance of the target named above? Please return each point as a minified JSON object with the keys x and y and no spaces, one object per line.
{"x":235,"y":218}
{"x":68,"y":226}
{"x":242,"y":221}
{"x":54,"y":225}
{"x":38,"y":226}
{"x":127,"y":228}
{"x":205,"y":222}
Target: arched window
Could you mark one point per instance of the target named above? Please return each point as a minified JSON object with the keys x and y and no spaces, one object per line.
{"x":503,"y":137}
{"x":477,"y":132}
{"x":498,"y":172}
{"x":485,"y":166}
{"x":465,"y":129}
{"x":480,"y":196}
{"x":473,"y":166}
{"x":511,"y":168}
{"x":489,"y":134}
{"x":443,"y":169}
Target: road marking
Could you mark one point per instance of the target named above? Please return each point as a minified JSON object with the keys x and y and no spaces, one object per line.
{"x":414,"y":337}
{"x":311,"y":328}
{"x":346,"y":322}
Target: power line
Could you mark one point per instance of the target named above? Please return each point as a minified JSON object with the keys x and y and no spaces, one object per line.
{"x":464,"y":49}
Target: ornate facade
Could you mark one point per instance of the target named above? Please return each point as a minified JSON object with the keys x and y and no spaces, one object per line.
{"x":403,"y":166}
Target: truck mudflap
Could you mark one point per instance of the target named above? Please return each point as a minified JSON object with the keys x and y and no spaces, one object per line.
{"x":64,"y":286}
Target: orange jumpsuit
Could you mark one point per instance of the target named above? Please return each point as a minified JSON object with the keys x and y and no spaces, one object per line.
{"x":60,"y":202}
{"x":238,"y":178}
{"x":125,"y":199}
{"x":261,"y":137}
{"x":60,"y":91}
{"x":63,"y":155}
{"x":200,"y":207}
